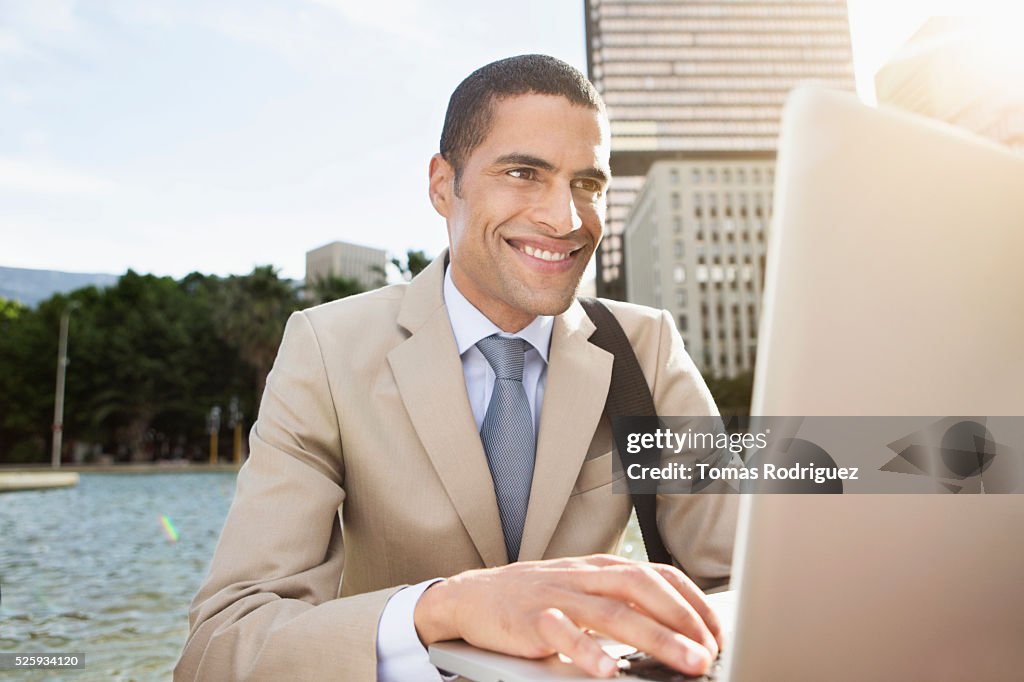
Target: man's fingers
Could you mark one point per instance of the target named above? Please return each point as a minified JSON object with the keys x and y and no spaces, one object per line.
{"x":565,"y":637}
{"x":652,"y":593}
{"x":620,"y":621}
{"x":695,"y":597}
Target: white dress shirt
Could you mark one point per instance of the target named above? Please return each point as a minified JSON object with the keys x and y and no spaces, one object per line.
{"x":401,"y":656}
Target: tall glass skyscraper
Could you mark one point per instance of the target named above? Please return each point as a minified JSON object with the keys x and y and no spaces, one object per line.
{"x":701,"y":80}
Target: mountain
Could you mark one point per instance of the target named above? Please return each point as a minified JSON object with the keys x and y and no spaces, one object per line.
{"x":29,"y":287}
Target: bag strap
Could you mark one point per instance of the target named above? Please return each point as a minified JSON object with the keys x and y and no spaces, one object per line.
{"x":628,"y":396}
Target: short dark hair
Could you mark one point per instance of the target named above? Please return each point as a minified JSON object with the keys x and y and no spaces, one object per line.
{"x":470,"y":108}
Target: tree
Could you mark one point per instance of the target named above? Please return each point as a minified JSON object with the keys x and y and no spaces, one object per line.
{"x":331,"y":288}
{"x":28,"y":354}
{"x":251,"y":313}
{"x":415,"y":262}
{"x":732,"y":396}
{"x":10,"y":310}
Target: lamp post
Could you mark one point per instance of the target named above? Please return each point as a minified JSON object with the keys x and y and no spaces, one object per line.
{"x":58,"y":400}
{"x":213,"y":426}
{"x":235,"y":423}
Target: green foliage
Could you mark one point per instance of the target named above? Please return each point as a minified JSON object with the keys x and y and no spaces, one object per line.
{"x":326,"y":289}
{"x":251,"y":313}
{"x":9,"y":311}
{"x":732,"y":395}
{"x":415,"y":262}
{"x":148,"y":357}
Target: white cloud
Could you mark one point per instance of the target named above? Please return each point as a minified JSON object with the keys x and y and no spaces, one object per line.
{"x":34,"y":177}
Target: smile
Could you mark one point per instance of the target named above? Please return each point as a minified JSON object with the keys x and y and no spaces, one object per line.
{"x":544,"y":255}
{"x":561,"y":252}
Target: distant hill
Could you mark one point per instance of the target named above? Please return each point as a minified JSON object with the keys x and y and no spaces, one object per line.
{"x":29,"y":287}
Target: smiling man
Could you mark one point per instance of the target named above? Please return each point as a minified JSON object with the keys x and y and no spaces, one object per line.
{"x":431,"y":460}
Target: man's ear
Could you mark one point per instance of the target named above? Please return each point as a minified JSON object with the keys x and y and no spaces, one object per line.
{"x":442,"y":184}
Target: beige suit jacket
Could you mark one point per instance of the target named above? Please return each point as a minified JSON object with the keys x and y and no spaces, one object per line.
{"x":367,"y":474}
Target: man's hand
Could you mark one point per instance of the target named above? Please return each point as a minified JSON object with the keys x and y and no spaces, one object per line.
{"x":539,"y":608}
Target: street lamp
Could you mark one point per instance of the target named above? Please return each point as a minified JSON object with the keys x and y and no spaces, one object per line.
{"x":213,"y":427}
{"x":235,"y":423}
{"x":58,"y":401}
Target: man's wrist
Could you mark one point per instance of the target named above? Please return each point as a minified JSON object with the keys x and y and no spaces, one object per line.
{"x":433,"y":614}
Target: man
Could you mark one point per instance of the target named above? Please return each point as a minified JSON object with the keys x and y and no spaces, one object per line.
{"x":444,"y":428}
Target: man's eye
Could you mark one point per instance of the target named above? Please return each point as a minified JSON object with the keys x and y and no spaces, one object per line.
{"x":523,"y":173}
{"x":587,"y":185}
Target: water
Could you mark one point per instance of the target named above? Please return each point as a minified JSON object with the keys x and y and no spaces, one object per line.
{"x":91,"y":569}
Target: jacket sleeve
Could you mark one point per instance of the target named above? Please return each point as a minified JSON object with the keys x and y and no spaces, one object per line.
{"x":698,"y":529}
{"x":269,"y":608}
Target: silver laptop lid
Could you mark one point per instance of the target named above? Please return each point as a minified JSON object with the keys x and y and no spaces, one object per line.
{"x":894,"y":286}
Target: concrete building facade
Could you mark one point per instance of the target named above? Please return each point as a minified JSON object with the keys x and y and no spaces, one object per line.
{"x":695,"y":243}
{"x":362,"y":263}
{"x":701,"y":80}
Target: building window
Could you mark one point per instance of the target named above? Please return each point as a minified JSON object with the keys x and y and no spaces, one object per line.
{"x":679,"y":274}
{"x":677,"y":225}
{"x":675,"y":201}
{"x":681,"y":298}
{"x":712,"y":175}
{"x":682,"y":323}
{"x":695,"y":176}
{"x":677,"y":248}
{"x":673,"y":176}
{"x":726,"y":175}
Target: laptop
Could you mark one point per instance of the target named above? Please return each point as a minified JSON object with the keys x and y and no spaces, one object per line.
{"x":894,"y":287}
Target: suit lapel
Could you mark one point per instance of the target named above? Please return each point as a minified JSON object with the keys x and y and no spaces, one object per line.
{"x":428,"y":373}
{"x":578,"y":378}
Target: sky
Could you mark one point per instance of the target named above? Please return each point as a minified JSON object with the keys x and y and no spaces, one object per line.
{"x":171,"y":136}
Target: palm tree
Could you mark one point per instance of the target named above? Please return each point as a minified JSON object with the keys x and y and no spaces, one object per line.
{"x":252,"y":312}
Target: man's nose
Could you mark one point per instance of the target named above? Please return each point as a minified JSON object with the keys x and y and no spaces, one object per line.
{"x":558,"y":210}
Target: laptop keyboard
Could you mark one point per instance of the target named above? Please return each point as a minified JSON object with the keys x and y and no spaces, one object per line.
{"x":647,"y":667}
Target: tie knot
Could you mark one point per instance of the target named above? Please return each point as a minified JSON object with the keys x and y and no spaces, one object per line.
{"x":505,"y":355}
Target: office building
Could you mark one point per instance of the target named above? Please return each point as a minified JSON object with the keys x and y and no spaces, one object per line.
{"x":341,"y":259}
{"x":962,"y":71}
{"x":701,"y":80}
{"x":695,"y":240}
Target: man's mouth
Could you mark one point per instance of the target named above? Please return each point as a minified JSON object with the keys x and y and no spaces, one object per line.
{"x":552,"y":255}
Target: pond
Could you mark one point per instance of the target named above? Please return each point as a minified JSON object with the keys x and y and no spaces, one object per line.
{"x":94,"y":569}
{"x":109,"y":567}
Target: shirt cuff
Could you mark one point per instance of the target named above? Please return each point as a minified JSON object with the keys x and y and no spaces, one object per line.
{"x":401,"y":655}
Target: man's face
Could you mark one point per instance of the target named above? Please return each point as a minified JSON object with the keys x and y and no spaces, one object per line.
{"x":530,"y":209}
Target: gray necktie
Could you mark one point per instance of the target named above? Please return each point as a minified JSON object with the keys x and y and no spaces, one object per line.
{"x":507,"y":435}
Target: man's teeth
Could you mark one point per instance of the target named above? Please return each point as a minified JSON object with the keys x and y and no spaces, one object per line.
{"x":543,"y":255}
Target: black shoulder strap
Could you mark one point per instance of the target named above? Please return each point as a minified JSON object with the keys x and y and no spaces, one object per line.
{"x":628,"y":396}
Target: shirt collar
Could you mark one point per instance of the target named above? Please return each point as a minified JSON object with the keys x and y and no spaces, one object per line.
{"x":470,"y":325}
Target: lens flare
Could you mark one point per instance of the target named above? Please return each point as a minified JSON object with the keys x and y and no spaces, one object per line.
{"x":169,"y":530}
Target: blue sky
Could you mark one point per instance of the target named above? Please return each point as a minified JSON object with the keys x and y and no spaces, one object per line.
{"x":179,"y":135}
